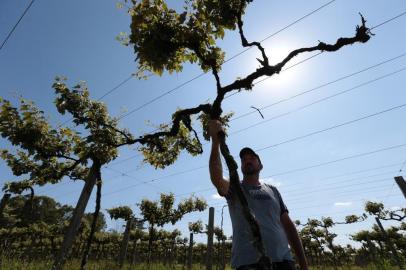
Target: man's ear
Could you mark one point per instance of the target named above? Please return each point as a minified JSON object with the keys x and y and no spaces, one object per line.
{"x":261,"y":166}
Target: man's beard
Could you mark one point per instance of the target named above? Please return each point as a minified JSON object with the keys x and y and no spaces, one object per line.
{"x":250,"y":170}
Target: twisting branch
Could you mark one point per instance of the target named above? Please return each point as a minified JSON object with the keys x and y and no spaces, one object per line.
{"x":32,"y":193}
{"x":362,"y":35}
{"x":67,"y":157}
{"x":209,"y":62}
{"x":258,"y":111}
{"x":393,"y":215}
{"x":121,"y":132}
{"x":178,"y":117}
{"x":244,"y":41}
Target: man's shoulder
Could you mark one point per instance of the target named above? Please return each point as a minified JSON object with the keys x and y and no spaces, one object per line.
{"x":270,"y":186}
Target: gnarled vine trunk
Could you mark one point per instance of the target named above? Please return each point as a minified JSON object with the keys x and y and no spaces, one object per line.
{"x":85,"y":255}
{"x":73,"y":228}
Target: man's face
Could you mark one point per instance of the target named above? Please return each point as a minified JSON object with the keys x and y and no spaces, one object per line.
{"x":250,"y":164}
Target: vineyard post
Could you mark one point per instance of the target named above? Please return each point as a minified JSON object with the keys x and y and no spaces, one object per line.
{"x":389,"y":243}
{"x":134,"y":255}
{"x":124,"y":243}
{"x":223,"y":255}
{"x":190,"y":253}
{"x":374,"y":254}
{"x":402,"y":184}
{"x":210,"y":232}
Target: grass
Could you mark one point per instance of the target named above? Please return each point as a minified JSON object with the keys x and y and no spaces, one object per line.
{"x":12,"y":264}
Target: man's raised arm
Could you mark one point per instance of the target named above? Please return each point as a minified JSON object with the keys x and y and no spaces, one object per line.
{"x":216,"y":169}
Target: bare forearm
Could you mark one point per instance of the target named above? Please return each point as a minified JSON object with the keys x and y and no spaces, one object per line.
{"x":296,"y":245}
{"x":216,"y":169}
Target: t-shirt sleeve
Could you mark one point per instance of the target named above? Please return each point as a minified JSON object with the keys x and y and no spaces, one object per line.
{"x":283,"y":207}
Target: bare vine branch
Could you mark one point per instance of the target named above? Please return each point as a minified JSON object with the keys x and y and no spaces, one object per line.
{"x":362,"y":35}
{"x":179,"y":116}
{"x":244,"y":41}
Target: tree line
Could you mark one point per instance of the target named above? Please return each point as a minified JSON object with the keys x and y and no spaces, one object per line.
{"x":33,"y":228}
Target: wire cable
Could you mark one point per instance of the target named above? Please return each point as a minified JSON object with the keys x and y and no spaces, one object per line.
{"x":324,"y":179}
{"x":388,"y":20}
{"x":332,"y":127}
{"x":322,"y":85}
{"x":338,"y":160}
{"x":305,"y":92}
{"x":290,"y":191}
{"x":277,"y":174}
{"x":277,"y":144}
{"x":393,"y":184}
{"x":270,"y":146}
{"x":316,"y":102}
{"x":15,"y":26}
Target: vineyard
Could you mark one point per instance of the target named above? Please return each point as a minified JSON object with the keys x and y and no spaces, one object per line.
{"x":90,"y":181}
{"x":33,"y":228}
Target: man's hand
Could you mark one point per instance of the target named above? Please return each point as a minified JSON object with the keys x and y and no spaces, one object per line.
{"x":215,"y":127}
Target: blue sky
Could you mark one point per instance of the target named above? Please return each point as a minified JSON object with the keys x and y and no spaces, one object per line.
{"x":77,"y":39}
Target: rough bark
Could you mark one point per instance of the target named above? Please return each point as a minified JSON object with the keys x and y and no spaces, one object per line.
{"x":73,"y":228}
{"x":85,"y":255}
{"x":124,"y":243}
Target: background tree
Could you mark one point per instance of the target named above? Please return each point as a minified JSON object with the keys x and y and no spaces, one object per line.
{"x":45,"y":154}
{"x":378,"y":210}
{"x":44,"y":209}
{"x":316,"y":234}
{"x":197,"y":228}
{"x":123,"y":212}
{"x":159,"y":213}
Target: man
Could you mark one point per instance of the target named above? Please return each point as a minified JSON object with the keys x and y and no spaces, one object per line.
{"x":265,"y":202}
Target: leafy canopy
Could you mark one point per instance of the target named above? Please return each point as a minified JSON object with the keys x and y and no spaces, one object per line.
{"x":163,"y":39}
{"x":162,"y":212}
{"x":123,"y":212}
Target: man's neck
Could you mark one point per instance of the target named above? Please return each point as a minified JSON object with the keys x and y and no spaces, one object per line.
{"x":252,"y":180}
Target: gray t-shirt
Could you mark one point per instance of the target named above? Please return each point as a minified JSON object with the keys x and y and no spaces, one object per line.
{"x":267,"y":206}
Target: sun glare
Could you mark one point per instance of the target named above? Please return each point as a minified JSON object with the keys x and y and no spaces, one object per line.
{"x":285,"y":78}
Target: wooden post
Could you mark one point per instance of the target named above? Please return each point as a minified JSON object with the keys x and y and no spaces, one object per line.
{"x":402,"y":184}
{"x":210,"y":232}
{"x":190,"y":253}
{"x":223,"y":255}
{"x":374,"y":254}
{"x":134,"y":255}
{"x":124,"y":243}
{"x":77,"y":215}
{"x":389,"y":243}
